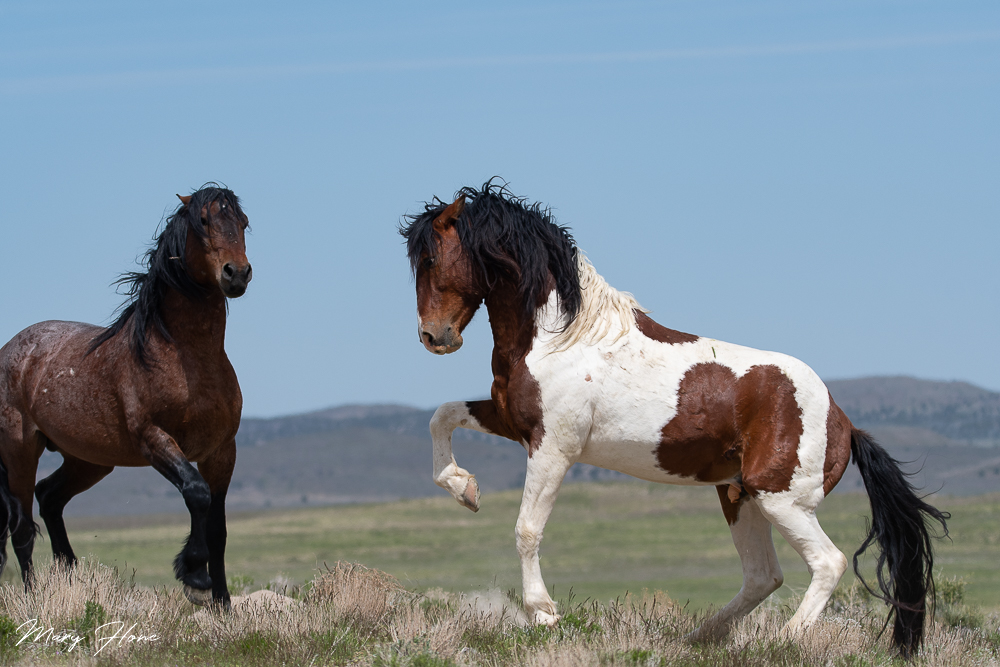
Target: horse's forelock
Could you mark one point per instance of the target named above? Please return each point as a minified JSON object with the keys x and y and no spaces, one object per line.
{"x":418,"y":230}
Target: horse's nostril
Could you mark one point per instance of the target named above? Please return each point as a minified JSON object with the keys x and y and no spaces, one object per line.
{"x":228,"y":272}
{"x":429,"y":338}
{"x":249,"y":273}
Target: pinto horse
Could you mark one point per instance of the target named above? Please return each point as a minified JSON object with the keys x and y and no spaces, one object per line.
{"x":581,"y":373}
{"x":155,"y":388}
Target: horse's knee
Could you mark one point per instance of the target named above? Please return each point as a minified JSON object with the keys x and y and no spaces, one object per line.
{"x":197,"y":496}
{"x":447,"y":418}
{"x":527,"y":538}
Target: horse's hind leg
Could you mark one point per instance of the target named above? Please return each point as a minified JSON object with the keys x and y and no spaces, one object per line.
{"x":21,"y":463}
{"x":460,"y":483}
{"x":761,"y":572}
{"x":73,"y":477}
{"x":217,"y":471}
{"x":826,"y":564}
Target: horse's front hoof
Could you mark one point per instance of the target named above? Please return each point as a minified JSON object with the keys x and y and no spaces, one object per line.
{"x":546,"y":619}
{"x":470,"y":497}
{"x":198,"y":596}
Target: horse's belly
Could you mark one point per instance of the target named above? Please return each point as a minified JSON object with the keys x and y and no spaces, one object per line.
{"x":637,"y":459}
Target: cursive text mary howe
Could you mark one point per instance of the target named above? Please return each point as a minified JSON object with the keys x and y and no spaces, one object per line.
{"x":104,"y":635}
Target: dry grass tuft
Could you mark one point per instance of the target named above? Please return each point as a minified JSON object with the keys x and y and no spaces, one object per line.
{"x":355,"y":615}
{"x":365,"y":596}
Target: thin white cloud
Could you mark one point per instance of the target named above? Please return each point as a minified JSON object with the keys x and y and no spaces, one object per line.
{"x":48,"y":84}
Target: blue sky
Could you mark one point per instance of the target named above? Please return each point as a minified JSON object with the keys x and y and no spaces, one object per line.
{"x":815,"y":178}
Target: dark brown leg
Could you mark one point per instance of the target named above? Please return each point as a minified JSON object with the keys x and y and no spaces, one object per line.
{"x":21,"y":471}
{"x":74,"y":476}
{"x":217,"y":470}
{"x":167,"y":459}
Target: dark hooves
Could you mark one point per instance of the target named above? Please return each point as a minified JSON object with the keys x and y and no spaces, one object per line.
{"x":198,"y":587}
{"x":198,"y":596}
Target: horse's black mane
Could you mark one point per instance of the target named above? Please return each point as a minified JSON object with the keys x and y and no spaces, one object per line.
{"x":505,"y":238}
{"x":166,"y":268}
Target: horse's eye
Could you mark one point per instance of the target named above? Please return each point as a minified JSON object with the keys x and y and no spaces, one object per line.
{"x":427,"y":262}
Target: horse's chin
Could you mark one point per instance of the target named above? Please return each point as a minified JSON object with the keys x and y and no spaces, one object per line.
{"x":232,"y":291}
{"x":442,"y":350}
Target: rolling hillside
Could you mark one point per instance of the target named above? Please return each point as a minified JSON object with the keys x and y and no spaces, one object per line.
{"x":950,"y":431}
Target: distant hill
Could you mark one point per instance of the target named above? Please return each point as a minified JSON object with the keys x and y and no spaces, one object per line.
{"x":950,"y":431}
{"x":957,"y":410}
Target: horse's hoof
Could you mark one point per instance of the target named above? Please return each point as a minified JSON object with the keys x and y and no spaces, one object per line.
{"x":546,"y":619}
{"x":198,"y":596}
{"x":470,"y":497}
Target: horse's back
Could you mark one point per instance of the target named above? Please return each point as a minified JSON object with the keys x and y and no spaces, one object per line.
{"x":53,"y":384}
{"x":692,"y":410}
{"x":34,"y":351}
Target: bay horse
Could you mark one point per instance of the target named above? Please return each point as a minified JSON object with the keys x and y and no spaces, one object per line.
{"x":582,"y":373}
{"x":154,"y":389}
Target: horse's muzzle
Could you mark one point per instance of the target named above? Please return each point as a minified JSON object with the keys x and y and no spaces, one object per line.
{"x":445,"y":341}
{"x":235,"y":279}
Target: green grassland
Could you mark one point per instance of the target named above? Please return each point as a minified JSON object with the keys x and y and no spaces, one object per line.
{"x":603,"y":539}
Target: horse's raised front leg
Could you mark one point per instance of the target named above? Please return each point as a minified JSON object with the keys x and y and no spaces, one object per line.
{"x":460,"y":483}
{"x":761,"y":572}
{"x":73,"y":477}
{"x":167,"y":459}
{"x":217,"y":470}
{"x":547,"y":467}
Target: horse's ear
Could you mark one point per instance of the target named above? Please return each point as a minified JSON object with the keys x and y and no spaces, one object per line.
{"x":449,"y":215}
{"x":185,"y":199}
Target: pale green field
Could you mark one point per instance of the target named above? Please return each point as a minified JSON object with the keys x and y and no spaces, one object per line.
{"x":603,"y":540}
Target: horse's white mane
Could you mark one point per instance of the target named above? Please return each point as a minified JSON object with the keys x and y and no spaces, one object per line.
{"x":602,"y":307}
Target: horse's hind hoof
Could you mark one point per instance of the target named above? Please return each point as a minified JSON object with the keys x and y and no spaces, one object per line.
{"x":198,"y":596}
{"x":470,"y":497}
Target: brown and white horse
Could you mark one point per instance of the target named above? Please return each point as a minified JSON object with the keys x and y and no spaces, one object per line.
{"x":581,"y":373}
{"x":155,"y":388}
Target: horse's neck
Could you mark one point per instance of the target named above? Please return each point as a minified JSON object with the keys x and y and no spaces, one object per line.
{"x":514,"y":332}
{"x":198,"y":325}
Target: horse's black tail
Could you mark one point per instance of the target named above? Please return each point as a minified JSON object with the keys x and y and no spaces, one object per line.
{"x":899,"y":525}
